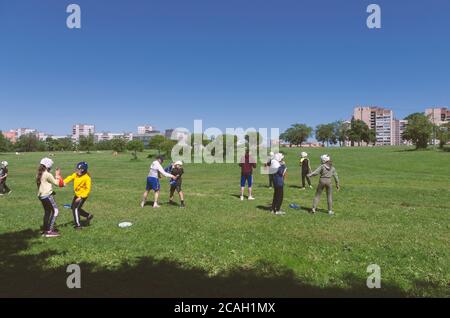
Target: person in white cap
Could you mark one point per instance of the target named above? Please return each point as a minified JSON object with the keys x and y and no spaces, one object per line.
{"x":175,"y":184}
{"x":326,"y":172}
{"x":278,"y":169}
{"x":306,"y":168}
{"x":45,"y":181}
{"x":3,"y":176}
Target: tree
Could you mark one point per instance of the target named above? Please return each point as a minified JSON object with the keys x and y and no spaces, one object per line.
{"x":5,"y":144}
{"x":443,"y":134}
{"x":65,"y":144}
{"x":86,"y":143}
{"x":30,"y":143}
{"x":135,"y":146}
{"x":359,"y":132}
{"x":157,"y":142}
{"x":104,"y":145}
{"x":326,"y":133}
{"x":119,"y":144}
{"x":297,"y":134}
{"x":418,"y":130}
{"x":341,"y":131}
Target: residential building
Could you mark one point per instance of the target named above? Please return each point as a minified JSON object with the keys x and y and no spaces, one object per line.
{"x":379,"y":119}
{"x":11,"y":135}
{"x":145,"y":138}
{"x":438,"y":116}
{"x":110,"y":136}
{"x":177,"y":134}
{"x":79,"y":130}
{"x":146,"y":129}
{"x":398,"y":130}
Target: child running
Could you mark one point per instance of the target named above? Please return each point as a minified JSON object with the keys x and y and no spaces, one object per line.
{"x":82,"y":184}
{"x":3,"y":176}
{"x":247,"y":165}
{"x":45,"y":182}
{"x":153,"y":181}
{"x":175,"y":185}
{"x":326,"y":172}
{"x":306,"y":168}
{"x":278,"y":168}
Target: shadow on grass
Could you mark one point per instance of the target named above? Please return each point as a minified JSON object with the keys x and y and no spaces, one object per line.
{"x":27,"y":275}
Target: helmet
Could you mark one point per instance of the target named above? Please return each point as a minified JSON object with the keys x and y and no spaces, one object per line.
{"x":304,"y":154}
{"x":4,"y":163}
{"x":47,"y":162}
{"x":83,"y":166}
{"x":178,"y":163}
{"x":325,"y":158}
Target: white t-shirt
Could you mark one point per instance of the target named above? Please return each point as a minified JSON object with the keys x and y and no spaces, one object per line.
{"x":155,"y":168}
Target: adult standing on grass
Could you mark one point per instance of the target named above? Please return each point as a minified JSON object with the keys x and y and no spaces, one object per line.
{"x":3,"y":176}
{"x":45,"y":182}
{"x":326,"y":172}
{"x":247,"y":164}
{"x":278,"y":168}
{"x":156,"y":170}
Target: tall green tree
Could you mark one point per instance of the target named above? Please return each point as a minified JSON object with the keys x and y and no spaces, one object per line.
{"x":443,"y":134}
{"x":157,"y":142}
{"x":30,"y":143}
{"x":359,"y":132}
{"x":341,"y":131}
{"x":119,"y":144}
{"x":5,"y":144}
{"x":418,"y":130}
{"x":86,"y":143}
{"x":326,"y":134}
{"x":135,"y":146}
{"x":297,"y":134}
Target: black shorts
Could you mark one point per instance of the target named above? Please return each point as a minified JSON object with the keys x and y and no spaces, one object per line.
{"x":176,"y":187}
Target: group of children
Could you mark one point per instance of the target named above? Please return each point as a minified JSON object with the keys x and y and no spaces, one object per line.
{"x":277,"y":172}
{"x":45,"y":182}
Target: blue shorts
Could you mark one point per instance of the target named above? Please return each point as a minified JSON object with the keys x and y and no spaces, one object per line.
{"x":249,"y":180}
{"x":153,"y":184}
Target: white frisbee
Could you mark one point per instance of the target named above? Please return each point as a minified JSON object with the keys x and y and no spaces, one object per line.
{"x":125,"y":224}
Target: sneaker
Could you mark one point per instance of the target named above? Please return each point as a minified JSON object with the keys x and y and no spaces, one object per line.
{"x":76,"y":227}
{"x":313,"y":210}
{"x":51,"y":234}
{"x":242,"y":198}
{"x":182,"y":205}
{"x":156,"y":206}
{"x":280,"y":213}
{"x":89,"y":218}
{"x":251,"y":198}
{"x":142,"y":204}
{"x":310,"y":186}
{"x":302,"y":188}
{"x":330,"y":213}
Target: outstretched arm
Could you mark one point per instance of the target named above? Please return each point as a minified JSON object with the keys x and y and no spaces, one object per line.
{"x":315,"y":172}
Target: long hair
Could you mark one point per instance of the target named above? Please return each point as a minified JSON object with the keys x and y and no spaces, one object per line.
{"x":40,"y":171}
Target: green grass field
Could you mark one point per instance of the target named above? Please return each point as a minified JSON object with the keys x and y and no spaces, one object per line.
{"x":393,"y":210}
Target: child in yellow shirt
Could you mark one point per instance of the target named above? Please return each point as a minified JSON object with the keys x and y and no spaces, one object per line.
{"x":82,"y":187}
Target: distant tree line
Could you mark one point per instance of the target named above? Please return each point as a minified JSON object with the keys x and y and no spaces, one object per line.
{"x":419,"y":131}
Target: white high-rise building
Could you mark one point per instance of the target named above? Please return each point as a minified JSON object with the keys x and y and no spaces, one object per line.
{"x":79,"y":130}
{"x":379,"y":119}
{"x":146,"y":129}
{"x":438,"y":116}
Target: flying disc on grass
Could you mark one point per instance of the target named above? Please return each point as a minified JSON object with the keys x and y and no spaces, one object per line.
{"x":125,"y":224}
{"x":67,"y":206}
{"x":294,"y":206}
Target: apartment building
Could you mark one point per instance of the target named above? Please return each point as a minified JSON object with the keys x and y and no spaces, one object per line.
{"x":438,"y":115}
{"x":79,"y":130}
{"x":381,"y":120}
{"x":146,"y":129}
{"x":110,"y":136}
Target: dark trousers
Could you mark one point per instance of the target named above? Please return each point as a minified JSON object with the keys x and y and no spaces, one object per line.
{"x":77,"y":210}
{"x":277,"y":198}
{"x":305,"y":176}
{"x":270,"y":180}
{"x":50,"y":213}
{"x":3,"y":187}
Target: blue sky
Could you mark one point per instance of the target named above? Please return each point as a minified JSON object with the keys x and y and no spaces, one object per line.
{"x":232,"y":63}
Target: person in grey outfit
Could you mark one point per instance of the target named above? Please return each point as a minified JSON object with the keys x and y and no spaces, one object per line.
{"x":326,"y":172}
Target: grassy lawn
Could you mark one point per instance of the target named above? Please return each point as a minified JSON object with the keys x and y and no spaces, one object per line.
{"x":393,"y":210}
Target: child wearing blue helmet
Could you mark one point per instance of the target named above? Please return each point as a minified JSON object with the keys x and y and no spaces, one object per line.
{"x":82,"y":187}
